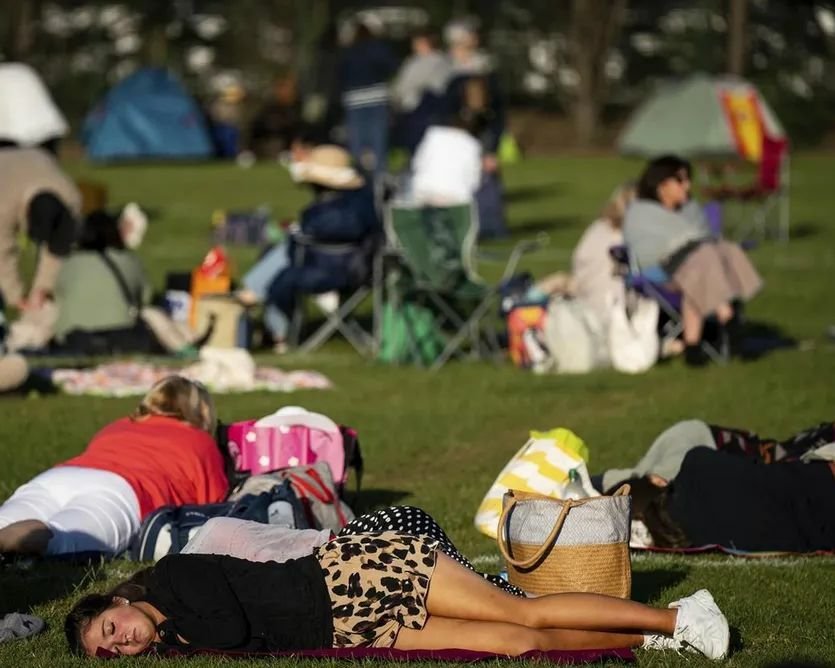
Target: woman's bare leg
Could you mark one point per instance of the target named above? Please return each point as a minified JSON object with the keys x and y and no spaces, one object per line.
{"x":25,"y":537}
{"x":724,"y":313}
{"x":457,"y":593}
{"x":504,"y":638}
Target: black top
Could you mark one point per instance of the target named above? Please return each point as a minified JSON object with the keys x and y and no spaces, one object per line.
{"x":739,"y":502}
{"x":220,"y":602}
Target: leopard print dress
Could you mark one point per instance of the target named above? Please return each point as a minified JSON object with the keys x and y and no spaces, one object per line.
{"x":378,"y":583}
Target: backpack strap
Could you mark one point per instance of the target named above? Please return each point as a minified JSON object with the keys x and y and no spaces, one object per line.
{"x":134,"y":302}
{"x":323,"y":495}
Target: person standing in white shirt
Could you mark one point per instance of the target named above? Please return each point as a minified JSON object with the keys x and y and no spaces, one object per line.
{"x":446,"y":166}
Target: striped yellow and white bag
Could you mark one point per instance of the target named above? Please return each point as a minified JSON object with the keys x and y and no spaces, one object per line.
{"x":540,"y":466}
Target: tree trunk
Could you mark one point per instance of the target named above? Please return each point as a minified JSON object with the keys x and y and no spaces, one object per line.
{"x":595,"y":26}
{"x":737,"y":36}
{"x":21,"y":34}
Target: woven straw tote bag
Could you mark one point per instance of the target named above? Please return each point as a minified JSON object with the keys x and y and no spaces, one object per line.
{"x":576,"y":545}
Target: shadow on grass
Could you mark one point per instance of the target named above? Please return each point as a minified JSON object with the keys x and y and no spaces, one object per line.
{"x":647,"y":585}
{"x":761,"y":338}
{"x":533,"y":192}
{"x":757,"y":339}
{"x":371,"y":499}
{"x":30,"y":582}
{"x":535,"y":225}
{"x":804,"y":230}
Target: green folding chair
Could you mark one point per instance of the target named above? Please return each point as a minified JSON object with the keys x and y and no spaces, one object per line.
{"x":434,"y":249}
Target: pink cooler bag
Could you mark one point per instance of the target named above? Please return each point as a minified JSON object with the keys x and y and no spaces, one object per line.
{"x":290,"y":437}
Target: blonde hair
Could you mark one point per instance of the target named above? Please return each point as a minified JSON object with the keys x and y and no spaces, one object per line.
{"x":615,"y":208}
{"x":180,"y":398}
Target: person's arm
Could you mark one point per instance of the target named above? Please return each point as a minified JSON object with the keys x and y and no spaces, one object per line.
{"x":402,"y":88}
{"x":46,"y":276}
{"x":207,"y":614}
{"x":10,"y":284}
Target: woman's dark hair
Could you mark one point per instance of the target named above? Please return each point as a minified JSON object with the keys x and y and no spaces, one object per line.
{"x":92,"y":605}
{"x":650,"y":505}
{"x":101,"y":231}
{"x":659,"y":170}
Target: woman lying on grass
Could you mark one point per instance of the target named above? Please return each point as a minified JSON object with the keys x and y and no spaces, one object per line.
{"x":385,"y":589}
{"x":163,"y":454}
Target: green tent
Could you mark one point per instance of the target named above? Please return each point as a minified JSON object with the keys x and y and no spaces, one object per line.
{"x":690,"y":118}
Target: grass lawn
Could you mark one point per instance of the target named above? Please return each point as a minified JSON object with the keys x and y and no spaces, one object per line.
{"x":438,"y":440}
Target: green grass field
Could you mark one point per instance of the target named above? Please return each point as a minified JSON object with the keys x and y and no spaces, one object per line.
{"x":438,"y":440}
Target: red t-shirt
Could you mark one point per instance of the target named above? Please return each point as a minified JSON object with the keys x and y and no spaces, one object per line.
{"x":166,"y":461}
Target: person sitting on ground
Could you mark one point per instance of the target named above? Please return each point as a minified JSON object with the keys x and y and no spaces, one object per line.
{"x":163,"y":454}
{"x":384,"y":589}
{"x":102,"y":284}
{"x":103,"y":295}
{"x":332,"y":247}
{"x":711,"y":274}
{"x":595,"y":279}
{"x":36,"y":196}
{"x":720,"y":498}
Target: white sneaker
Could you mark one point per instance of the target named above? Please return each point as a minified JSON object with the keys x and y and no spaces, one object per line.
{"x":662,"y":642}
{"x":328,"y":302}
{"x":700,"y":625}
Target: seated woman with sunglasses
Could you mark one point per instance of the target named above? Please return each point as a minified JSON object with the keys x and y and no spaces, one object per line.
{"x":711,"y":274}
{"x":386,"y":589}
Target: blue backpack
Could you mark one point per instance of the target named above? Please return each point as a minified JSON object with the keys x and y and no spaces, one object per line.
{"x":168,"y":529}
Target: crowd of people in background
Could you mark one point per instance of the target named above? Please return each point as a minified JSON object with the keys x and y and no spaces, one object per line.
{"x":445,"y":108}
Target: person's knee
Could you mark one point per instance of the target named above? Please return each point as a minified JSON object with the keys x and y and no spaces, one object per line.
{"x":525,"y":640}
{"x":530,"y":612}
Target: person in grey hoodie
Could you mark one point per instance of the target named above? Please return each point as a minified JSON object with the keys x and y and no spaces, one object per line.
{"x":710,"y":273}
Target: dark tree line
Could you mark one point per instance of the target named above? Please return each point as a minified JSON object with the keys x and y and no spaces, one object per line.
{"x":595,"y":57}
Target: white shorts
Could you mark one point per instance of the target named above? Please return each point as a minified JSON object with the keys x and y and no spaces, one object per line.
{"x":87,"y":510}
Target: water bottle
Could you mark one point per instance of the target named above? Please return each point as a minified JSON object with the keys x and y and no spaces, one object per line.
{"x":538,"y":356}
{"x":574,"y":488}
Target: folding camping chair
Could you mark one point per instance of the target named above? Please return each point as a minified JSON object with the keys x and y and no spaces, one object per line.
{"x":434,"y":249}
{"x":341,"y":319}
{"x":652,"y":282}
{"x":770,"y":191}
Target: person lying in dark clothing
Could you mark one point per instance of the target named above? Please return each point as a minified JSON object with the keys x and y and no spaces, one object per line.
{"x":741,"y":503}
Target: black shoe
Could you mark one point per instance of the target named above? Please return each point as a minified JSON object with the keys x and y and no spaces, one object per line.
{"x":694,"y":356}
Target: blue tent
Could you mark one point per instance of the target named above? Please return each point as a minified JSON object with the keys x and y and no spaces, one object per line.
{"x":147,"y":115}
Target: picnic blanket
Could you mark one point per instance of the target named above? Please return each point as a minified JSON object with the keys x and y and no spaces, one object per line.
{"x":566,"y":657}
{"x":125,"y":379}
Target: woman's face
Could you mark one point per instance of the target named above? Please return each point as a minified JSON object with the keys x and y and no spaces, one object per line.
{"x":124,"y":628}
{"x":673,"y":191}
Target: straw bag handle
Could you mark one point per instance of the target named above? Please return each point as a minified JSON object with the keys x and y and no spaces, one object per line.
{"x":567,"y":505}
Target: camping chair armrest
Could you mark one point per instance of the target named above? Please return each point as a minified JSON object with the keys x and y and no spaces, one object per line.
{"x":521,"y":248}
